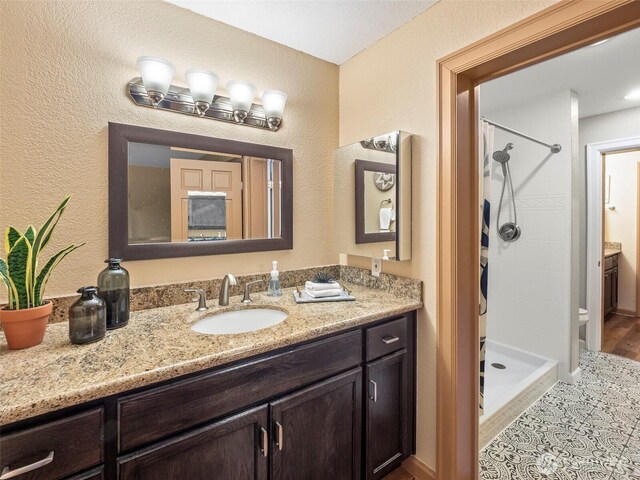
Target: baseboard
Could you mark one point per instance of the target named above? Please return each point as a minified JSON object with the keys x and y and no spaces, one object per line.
{"x":573,"y":377}
{"x":418,"y":469}
{"x":624,"y":313}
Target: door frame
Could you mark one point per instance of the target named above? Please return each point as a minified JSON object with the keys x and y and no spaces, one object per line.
{"x":565,"y":26}
{"x":595,"y":232}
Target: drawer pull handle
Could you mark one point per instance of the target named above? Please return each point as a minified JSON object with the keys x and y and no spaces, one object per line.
{"x":390,"y":340}
{"x":374,"y":395}
{"x":8,"y":473}
{"x":264,"y":447}
{"x":279,"y":435}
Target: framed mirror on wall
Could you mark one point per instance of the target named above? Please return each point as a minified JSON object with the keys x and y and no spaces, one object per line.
{"x":175,"y":194}
{"x":372,"y":197}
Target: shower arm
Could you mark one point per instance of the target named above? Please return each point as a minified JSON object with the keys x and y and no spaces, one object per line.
{"x":555,"y":148}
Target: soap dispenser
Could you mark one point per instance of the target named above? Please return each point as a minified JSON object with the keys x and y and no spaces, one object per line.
{"x":274,"y":284}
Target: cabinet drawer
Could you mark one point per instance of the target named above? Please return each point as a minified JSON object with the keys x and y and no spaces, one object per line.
{"x":55,"y":449}
{"x":608,"y":263}
{"x":95,"y":474}
{"x":386,"y":338}
{"x":163,"y":411}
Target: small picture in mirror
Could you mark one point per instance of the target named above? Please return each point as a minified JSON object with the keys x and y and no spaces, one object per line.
{"x":384,"y":181}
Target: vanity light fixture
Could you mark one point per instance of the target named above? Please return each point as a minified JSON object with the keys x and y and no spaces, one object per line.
{"x":156,"y":77}
{"x":273,"y":102}
{"x":241,"y":95}
{"x":202,"y":85}
{"x":154,"y":89}
{"x":383,"y":143}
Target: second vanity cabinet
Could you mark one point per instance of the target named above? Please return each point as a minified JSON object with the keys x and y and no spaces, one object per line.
{"x":339,"y":407}
{"x":610,"y":292}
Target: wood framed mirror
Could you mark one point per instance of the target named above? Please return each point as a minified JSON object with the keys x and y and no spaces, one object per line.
{"x":175,"y":194}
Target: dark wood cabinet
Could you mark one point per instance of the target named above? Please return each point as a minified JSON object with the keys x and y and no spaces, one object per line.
{"x":610,"y":288}
{"x":209,"y":396}
{"x":317,"y":431}
{"x":235,"y":449}
{"x":386,"y":414}
{"x":339,"y":407}
{"x":54,"y":449}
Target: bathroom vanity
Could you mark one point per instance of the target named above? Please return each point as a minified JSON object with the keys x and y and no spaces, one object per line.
{"x":610,"y":283}
{"x":338,"y":404}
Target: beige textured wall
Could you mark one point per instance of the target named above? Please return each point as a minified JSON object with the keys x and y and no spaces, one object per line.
{"x":392,"y":85}
{"x":64,"y":67}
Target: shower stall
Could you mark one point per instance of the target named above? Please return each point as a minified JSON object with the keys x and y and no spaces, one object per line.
{"x":527,"y":310}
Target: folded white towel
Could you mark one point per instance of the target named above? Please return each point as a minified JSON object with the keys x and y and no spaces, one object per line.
{"x":385,"y":218}
{"x":336,"y":292}
{"x":317,"y":287}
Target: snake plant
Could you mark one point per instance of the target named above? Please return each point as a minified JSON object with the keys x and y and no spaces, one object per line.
{"x":19,"y":271}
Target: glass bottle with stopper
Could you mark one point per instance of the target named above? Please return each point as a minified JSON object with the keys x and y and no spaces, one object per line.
{"x":113,"y":288}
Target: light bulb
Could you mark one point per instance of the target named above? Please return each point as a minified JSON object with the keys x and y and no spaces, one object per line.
{"x":274,"y":102}
{"x":241,"y":95}
{"x":202,"y":85}
{"x":156,"y":75}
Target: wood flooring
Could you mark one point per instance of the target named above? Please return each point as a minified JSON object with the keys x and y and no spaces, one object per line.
{"x":399,"y":474}
{"x":621,"y":336}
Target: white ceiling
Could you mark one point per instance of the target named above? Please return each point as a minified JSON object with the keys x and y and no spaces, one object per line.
{"x":601,"y":75}
{"x":333,"y":30}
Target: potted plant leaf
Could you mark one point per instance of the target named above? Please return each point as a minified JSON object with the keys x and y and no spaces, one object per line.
{"x":24,"y":319}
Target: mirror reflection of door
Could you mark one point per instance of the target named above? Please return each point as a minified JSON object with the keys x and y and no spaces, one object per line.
{"x":205,"y":176}
{"x":261,"y":197}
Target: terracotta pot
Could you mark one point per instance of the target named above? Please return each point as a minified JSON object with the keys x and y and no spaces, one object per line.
{"x":25,"y":328}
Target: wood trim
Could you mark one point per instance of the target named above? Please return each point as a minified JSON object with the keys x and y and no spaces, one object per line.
{"x":418,"y":469}
{"x":603,"y":158}
{"x":206,"y":152}
{"x":119,"y":137}
{"x":361,"y":235}
{"x":637,"y":245}
{"x":558,"y":29}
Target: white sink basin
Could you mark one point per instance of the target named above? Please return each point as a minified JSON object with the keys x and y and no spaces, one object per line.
{"x":239,"y":321}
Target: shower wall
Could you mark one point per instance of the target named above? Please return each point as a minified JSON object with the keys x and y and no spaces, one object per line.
{"x":532,"y":298}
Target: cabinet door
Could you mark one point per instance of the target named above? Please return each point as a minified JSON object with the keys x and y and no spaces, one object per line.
{"x":232,"y":449}
{"x":608,"y":297}
{"x":317,"y":431}
{"x":386,"y":414}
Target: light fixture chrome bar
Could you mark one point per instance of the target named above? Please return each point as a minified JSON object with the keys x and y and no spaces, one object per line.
{"x":179,"y":100}
{"x":555,"y":148}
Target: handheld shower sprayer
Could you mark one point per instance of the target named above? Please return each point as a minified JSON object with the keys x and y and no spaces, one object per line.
{"x":510,"y":231}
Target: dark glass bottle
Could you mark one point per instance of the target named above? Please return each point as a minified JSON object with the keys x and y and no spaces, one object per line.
{"x":87,"y":317}
{"x":113,"y":288}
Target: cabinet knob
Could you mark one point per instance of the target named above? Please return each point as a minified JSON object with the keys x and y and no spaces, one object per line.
{"x":8,"y":473}
{"x":264,"y":446}
{"x":391,"y":339}
{"x":374,"y":394}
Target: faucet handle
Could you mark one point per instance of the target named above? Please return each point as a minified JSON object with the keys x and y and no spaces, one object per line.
{"x":202,"y":298}
{"x":247,"y":291}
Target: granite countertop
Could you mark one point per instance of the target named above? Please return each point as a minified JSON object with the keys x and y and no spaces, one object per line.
{"x":610,"y":252}
{"x":159,"y":344}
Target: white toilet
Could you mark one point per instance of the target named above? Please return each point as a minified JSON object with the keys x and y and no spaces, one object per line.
{"x":583,"y":317}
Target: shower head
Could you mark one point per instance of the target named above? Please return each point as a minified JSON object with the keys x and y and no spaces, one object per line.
{"x":501,"y":156}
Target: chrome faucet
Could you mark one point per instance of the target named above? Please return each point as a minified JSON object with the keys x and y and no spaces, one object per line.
{"x":227,"y":281}
{"x":247,"y":291}
{"x":202,"y":298}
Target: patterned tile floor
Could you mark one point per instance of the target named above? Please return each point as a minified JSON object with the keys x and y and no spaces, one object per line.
{"x":588,"y":431}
